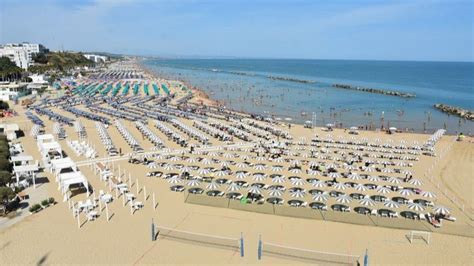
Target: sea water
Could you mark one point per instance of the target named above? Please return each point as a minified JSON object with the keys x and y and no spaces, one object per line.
{"x":244,"y":85}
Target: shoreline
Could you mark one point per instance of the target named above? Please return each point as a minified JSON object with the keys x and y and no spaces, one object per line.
{"x":201,"y":95}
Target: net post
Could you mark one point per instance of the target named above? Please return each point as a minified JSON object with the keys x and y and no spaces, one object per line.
{"x":259,"y":251}
{"x":152,"y":230}
{"x":241,"y":244}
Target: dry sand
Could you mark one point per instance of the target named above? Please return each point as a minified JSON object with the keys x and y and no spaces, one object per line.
{"x":53,"y":237}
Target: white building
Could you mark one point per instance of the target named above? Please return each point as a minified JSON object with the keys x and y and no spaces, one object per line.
{"x":21,"y":53}
{"x":10,"y":91}
{"x":96,"y":58}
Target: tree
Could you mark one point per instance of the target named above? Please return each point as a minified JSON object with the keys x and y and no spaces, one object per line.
{"x":4,"y":105}
{"x":6,"y":194}
{"x":5,"y":165}
{"x":5,"y":178}
{"x":9,"y":70}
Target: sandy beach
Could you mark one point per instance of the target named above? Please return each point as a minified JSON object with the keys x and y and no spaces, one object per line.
{"x":52,"y":236}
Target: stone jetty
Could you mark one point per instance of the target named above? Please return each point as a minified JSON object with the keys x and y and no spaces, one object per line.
{"x":290,"y":79}
{"x":372,"y":90}
{"x":457,"y":111}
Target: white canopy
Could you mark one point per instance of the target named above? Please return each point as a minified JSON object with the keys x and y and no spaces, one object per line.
{"x":21,"y":158}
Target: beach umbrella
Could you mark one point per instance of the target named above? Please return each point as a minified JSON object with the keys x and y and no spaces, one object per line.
{"x":323,"y":197}
{"x":186,"y":169}
{"x":360,"y":187}
{"x":258,"y":177}
{"x":428,"y":194}
{"x":416,"y":207}
{"x":191,"y":160}
{"x":168,"y":167}
{"x":277,"y":168}
{"x":367,"y":202}
{"x":354,"y":176}
{"x":340,"y":186}
{"x":255,"y":190}
{"x":194,"y":183}
{"x":387,"y":170}
{"x":174,"y":180}
{"x":261,"y":158}
{"x":241,"y":175}
{"x":391,"y":204}
{"x":439,"y":209}
{"x":206,"y":161}
{"x":278,"y":179}
{"x":275,"y":193}
{"x":228,"y":155}
{"x":313,"y":164}
{"x":368,"y":169}
{"x":224,"y":164}
{"x":203,"y":171}
{"x":394,"y":180}
{"x":374,"y":178}
{"x":212,"y":185}
{"x":244,"y":157}
{"x":406,"y":192}
{"x":313,"y":172}
{"x":152,"y":165}
{"x":233,"y":187}
{"x":334,"y":175}
{"x":295,"y":171}
{"x":174,"y":159}
{"x":241,"y":165}
{"x":213,"y":154}
{"x":298,"y":194}
{"x":297,"y":182}
{"x":278,"y":160}
{"x":415,"y":182}
{"x":318,"y":184}
{"x":221,"y":173}
{"x":383,"y":190}
{"x":260,"y":167}
{"x":343,"y":199}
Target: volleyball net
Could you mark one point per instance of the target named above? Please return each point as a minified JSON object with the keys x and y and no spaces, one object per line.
{"x":199,"y":238}
{"x":316,"y":257}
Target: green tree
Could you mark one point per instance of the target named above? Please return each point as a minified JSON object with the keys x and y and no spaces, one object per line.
{"x":4,"y":105}
{"x":5,"y":178}
{"x":6,"y":194}
{"x":9,"y":70}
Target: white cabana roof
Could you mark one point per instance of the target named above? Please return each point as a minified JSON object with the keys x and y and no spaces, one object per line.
{"x":58,"y":164}
{"x":25,"y":168}
{"x":44,"y":138}
{"x":21,"y":158}
{"x":45,"y":147}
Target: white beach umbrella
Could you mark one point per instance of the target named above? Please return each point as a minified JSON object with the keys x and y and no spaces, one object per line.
{"x":354,"y":176}
{"x":213,"y":185}
{"x":279,"y":160}
{"x":241,"y":165}
{"x":313,"y":172}
{"x":244,"y":157}
{"x":261,"y":158}
{"x":228,"y":155}
{"x":416,"y":182}
{"x":298,"y":194}
{"x":203,"y":171}
{"x":168,"y":167}
{"x":213,"y":154}
{"x":152,"y":165}
{"x":186,"y":169}
{"x":340,"y":186}
{"x":255,"y":190}
{"x":394,"y":180}
{"x":343,"y":199}
{"x":383,"y":190}
{"x":391,"y":204}
{"x":318,"y":184}
{"x":194,"y":183}
{"x":387,"y":170}
{"x":278,"y":179}
{"x":297,"y":182}
{"x":174,"y":159}
{"x":295,"y":171}
{"x":416,"y":207}
{"x":439,"y":209}
{"x":323,"y":197}
{"x":406,"y":192}
{"x":277,"y":168}
{"x":334,"y":175}
{"x":174,"y":180}
{"x":428,"y":194}
{"x":258,"y":177}
{"x":360,"y":187}
{"x":260,"y":167}
{"x":374,"y":178}
{"x":367,"y":202}
{"x":233,"y":187}
{"x":191,"y":160}
{"x":241,"y":175}
{"x":275,"y":193}
{"x":206,"y":161}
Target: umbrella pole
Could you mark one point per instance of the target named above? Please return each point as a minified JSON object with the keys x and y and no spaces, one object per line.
{"x":154,"y":201}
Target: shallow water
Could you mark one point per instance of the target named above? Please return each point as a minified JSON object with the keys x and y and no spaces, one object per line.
{"x":243,"y":84}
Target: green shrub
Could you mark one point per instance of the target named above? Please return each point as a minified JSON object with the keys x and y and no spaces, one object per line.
{"x":35,"y":208}
{"x":45,"y":203}
{"x":5,"y":165}
{"x":51,"y":200}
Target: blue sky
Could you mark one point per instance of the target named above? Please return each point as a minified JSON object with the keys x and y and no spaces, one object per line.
{"x":338,"y":29}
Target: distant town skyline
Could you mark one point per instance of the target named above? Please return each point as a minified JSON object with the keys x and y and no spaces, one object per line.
{"x":360,"y":30}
